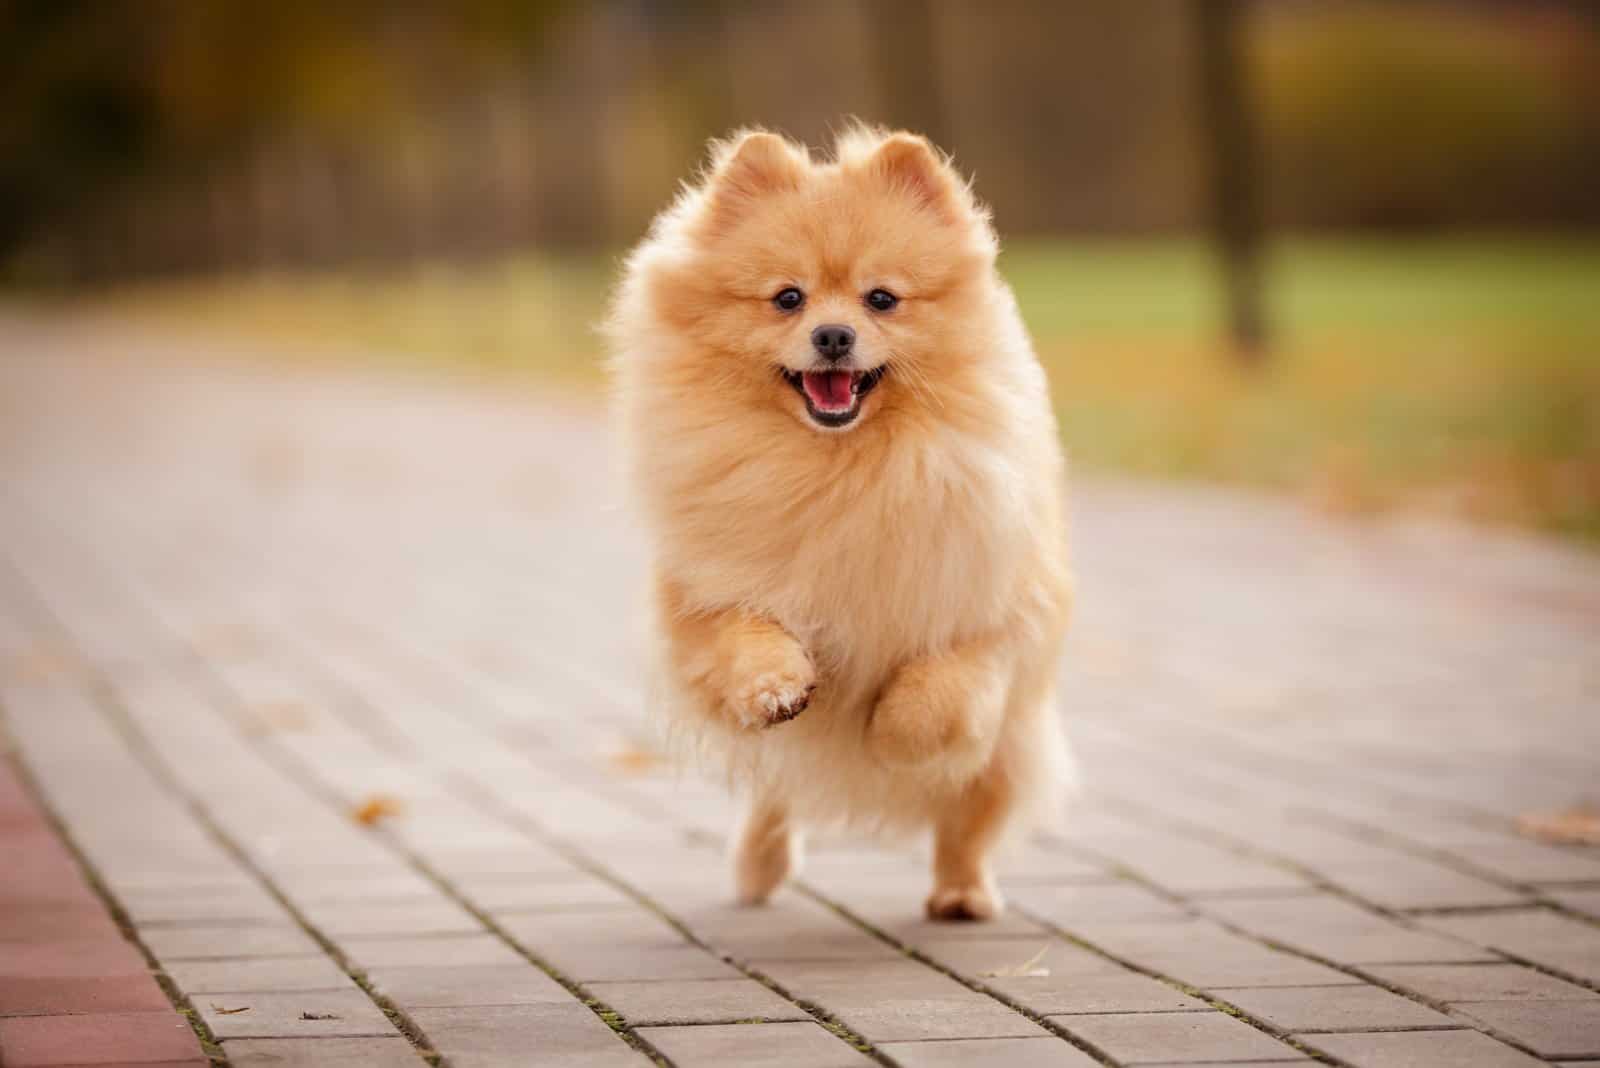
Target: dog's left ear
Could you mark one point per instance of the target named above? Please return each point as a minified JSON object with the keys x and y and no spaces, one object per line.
{"x":910,"y":163}
{"x":747,"y":167}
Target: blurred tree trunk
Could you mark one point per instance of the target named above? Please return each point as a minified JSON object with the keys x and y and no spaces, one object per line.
{"x":1235,"y":194}
{"x":905,"y":43}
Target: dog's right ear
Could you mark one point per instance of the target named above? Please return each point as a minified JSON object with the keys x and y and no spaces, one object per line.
{"x":747,"y":167}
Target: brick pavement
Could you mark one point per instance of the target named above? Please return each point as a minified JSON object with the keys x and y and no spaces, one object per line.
{"x":239,"y":609}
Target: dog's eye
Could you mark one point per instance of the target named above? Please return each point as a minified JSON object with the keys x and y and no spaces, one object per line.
{"x":881,"y":300}
{"x":789,"y":299}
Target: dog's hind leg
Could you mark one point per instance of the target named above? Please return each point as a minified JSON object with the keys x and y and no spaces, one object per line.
{"x":766,"y":852}
{"x":964,"y":836}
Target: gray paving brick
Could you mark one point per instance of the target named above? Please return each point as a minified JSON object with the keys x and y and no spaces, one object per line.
{"x":597,"y":963}
{"x":393,"y":1052}
{"x":1556,"y":1029}
{"x":1422,"y":1049}
{"x":1334,"y":1008}
{"x":1128,"y":992}
{"x":973,"y":957}
{"x":386,"y":951}
{"x":227,"y":942}
{"x":304,"y":1014}
{"x":1539,"y":935}
{"x":563,"y":1036}
{"x":1476,"y":982}
{"x":687,"y":1001}
{"x":434,"y":986}
{"x":900,"y":1001}
{"x":265,"y":974}
{"x":1011,"y":1052}
{"x":392,"y":918}
{"x":1175,"y":1037}
{"x":774,"y":1045}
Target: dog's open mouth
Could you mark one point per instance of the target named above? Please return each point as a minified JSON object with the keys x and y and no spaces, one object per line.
{"x":833,"y":398}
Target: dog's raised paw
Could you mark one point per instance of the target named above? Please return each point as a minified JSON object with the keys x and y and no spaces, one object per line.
{"x":775,"y":698}
{"x":964,"y":903}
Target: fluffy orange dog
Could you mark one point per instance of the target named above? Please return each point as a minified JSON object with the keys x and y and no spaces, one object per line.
{"x":849,"y":466}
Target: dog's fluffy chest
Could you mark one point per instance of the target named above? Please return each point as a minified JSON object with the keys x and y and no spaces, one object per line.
{"x":896,"y":561}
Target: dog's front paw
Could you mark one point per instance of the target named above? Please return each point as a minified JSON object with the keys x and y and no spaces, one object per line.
{"x":776,"y":680}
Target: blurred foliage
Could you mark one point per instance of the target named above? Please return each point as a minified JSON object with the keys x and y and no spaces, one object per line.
{"x":1421,"y":115}
{"x":181,"y":136}
{"x":1455,"y":377}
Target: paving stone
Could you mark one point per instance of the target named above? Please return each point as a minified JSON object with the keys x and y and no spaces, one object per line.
{"x":900,"y":1001}
{"x":696,"y":1001}
{"x":526,"y":895}
{"x":565,"y":1036}
{"x":1476,"y":982}
{"x":412,"y":918}
{"x":599,"y":963}
{"x":972,"y":957}
{"x":190,"y":907}
{"x":1342,"y":932}
{"x":1422,"y":1049}
{"x":441,"y":950}
{"x":263,"y":974}
{"x":100,"y":1038}
{"x":1586,"y":901}
{"x":302,"y":1014}
{"x":772,"y":1045}
{"x":1011,"y":1052}
{"x":1557,"y":1029}
{"x":1066,"y":905}
{"x":1334,"y":1008}
{"x":1538,"y":935}
{"x":468,"y":984}
{"x":227,"y":942}
{"x":1174,"y":1037}
{"x":1067,"y":993}
{"x":393,"y":1052}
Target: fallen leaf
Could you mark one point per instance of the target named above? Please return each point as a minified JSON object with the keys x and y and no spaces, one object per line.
{"x":1028,"y":969}
{"x":636,"y":759}
{"x":375,"y":809}
{"x":1578,"y":825}
{"x":319,"y":1016}
{"x":228,"y":1012}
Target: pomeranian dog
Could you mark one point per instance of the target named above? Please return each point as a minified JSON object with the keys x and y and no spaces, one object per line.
{"x":847,"y":461}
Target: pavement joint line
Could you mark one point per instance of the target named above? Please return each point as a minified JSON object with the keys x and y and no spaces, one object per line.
{"x":180,"y":1001}
{"x":1354,"y":829}
{"x":103,"y":696}
{"x":44,"y":619}
{"x":488,"y":802}
{"x":1058,"y":1030}
{"x":1273,"y":764}
{"x":1198,"y":993}
{"x":1402,"y":917}
{"x":293,"y":769}
{"x":1273,"y":944}
{"x":613,"y":1019}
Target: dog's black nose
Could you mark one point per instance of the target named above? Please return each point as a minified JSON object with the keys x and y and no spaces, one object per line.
{"x":833,"y":340}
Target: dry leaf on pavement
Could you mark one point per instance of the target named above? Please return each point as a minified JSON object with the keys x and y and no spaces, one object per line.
{"x":1028,"y":969}
{"x":1578,"y":825}
{"x":375,"y":809}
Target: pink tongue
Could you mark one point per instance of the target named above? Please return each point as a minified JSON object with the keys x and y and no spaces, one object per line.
{"x":828,"y":389}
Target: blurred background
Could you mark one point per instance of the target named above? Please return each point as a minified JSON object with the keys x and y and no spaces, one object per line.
{"x":1346,"y":250}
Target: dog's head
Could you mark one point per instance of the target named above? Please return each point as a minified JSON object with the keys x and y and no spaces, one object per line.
{"x":840,"y":291}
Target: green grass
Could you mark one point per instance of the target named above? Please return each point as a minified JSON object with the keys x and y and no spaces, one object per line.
{"x":1458,"y":376}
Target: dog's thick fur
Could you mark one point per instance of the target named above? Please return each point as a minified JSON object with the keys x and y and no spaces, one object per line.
{"x":862,"y":624}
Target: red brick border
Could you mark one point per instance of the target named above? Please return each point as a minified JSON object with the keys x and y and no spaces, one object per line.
{"x":73,"y":990}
